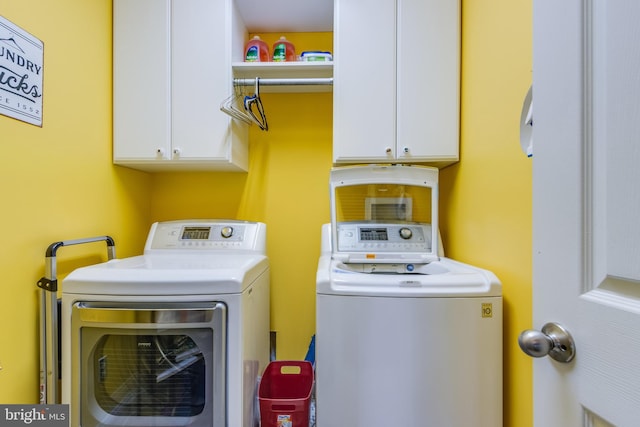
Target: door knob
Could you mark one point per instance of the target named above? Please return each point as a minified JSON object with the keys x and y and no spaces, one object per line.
{"x":553,"y":340}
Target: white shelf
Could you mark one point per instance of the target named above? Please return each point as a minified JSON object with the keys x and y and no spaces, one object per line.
{"x":282,"y":16}
{"x":287,"y":71}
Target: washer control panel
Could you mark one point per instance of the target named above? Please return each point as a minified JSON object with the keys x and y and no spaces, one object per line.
{"x":227,"y":235}
{"x":383,"y":237}
{"x":383,"y":243}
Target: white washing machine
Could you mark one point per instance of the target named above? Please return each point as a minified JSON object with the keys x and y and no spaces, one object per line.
{"x":174,"y":337}
{"x":404,"y":336}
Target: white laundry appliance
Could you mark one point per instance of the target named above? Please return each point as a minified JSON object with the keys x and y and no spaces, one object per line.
{"x":404,"y":336}
{"x":174,"y":337}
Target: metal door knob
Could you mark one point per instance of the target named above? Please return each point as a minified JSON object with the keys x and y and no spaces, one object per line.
{"x":553,"y":340}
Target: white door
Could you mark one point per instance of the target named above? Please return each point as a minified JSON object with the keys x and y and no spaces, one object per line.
{"x":428,"y":80}
{"x":586,"y":214}
{"x":364,"y":101}
{"x":141,"y":79}
{"x":198,"y":83}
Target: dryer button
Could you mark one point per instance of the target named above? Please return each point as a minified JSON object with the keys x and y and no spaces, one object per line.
{"x":226,"y":232}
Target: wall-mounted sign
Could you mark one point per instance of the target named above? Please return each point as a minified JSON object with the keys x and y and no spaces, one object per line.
{"x":21,"y":69}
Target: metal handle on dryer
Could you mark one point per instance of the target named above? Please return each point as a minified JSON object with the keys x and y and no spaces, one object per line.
{"x":49,"y":332}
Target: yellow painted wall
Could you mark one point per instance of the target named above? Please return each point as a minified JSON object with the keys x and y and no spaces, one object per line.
{"x":486,"y":197}
{"x":57,"y":182}
{"x":60,"y":184}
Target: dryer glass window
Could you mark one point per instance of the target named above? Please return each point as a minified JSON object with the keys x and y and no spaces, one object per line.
{"x":148,"y":364}
{"x":150,"y":375}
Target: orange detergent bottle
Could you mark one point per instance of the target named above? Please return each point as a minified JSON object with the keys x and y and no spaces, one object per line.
{"x":256,"y":50}
{"x":283,"y":50}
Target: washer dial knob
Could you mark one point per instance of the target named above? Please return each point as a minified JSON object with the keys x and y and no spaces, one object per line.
{"x":226,"y":232}
{"x":406,"y":233}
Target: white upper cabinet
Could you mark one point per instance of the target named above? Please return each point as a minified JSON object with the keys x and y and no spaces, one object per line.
{"x":172,"y":69}
{"x":395,"y":78}
{"x":396,"y":84}
{"x":175,"y":62}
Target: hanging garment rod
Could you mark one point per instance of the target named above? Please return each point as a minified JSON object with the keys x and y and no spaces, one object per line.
{"x":285,"y":82}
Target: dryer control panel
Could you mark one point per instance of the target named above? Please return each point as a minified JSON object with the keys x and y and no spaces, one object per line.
{"x":206,"y":235}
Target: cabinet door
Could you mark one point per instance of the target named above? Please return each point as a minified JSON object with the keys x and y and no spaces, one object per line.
{"x":364,"y":91}
{"x":201,"y":80}
{"x":141,"y":76}
{"x":428,"y":80}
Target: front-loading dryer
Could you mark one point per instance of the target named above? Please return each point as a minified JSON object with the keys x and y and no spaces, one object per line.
{"x":177,"y":336}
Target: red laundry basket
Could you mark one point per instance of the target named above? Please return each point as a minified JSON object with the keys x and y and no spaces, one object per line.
{"x":285,"y":394}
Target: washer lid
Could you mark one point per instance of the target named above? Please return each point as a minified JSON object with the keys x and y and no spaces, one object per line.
{"x":438,"y":279}
{"x":384,"y":214}
{"x":168,"y":274}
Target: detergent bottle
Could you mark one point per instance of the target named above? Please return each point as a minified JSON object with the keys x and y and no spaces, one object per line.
{"x":256,"y":50}
{"x":283,"y":50}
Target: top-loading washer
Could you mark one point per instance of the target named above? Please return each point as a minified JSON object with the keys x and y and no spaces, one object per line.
{"x":404,"y":336}
{"x":174,"y":337}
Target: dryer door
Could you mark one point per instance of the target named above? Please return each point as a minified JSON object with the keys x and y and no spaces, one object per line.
{"x":141,"y":364}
